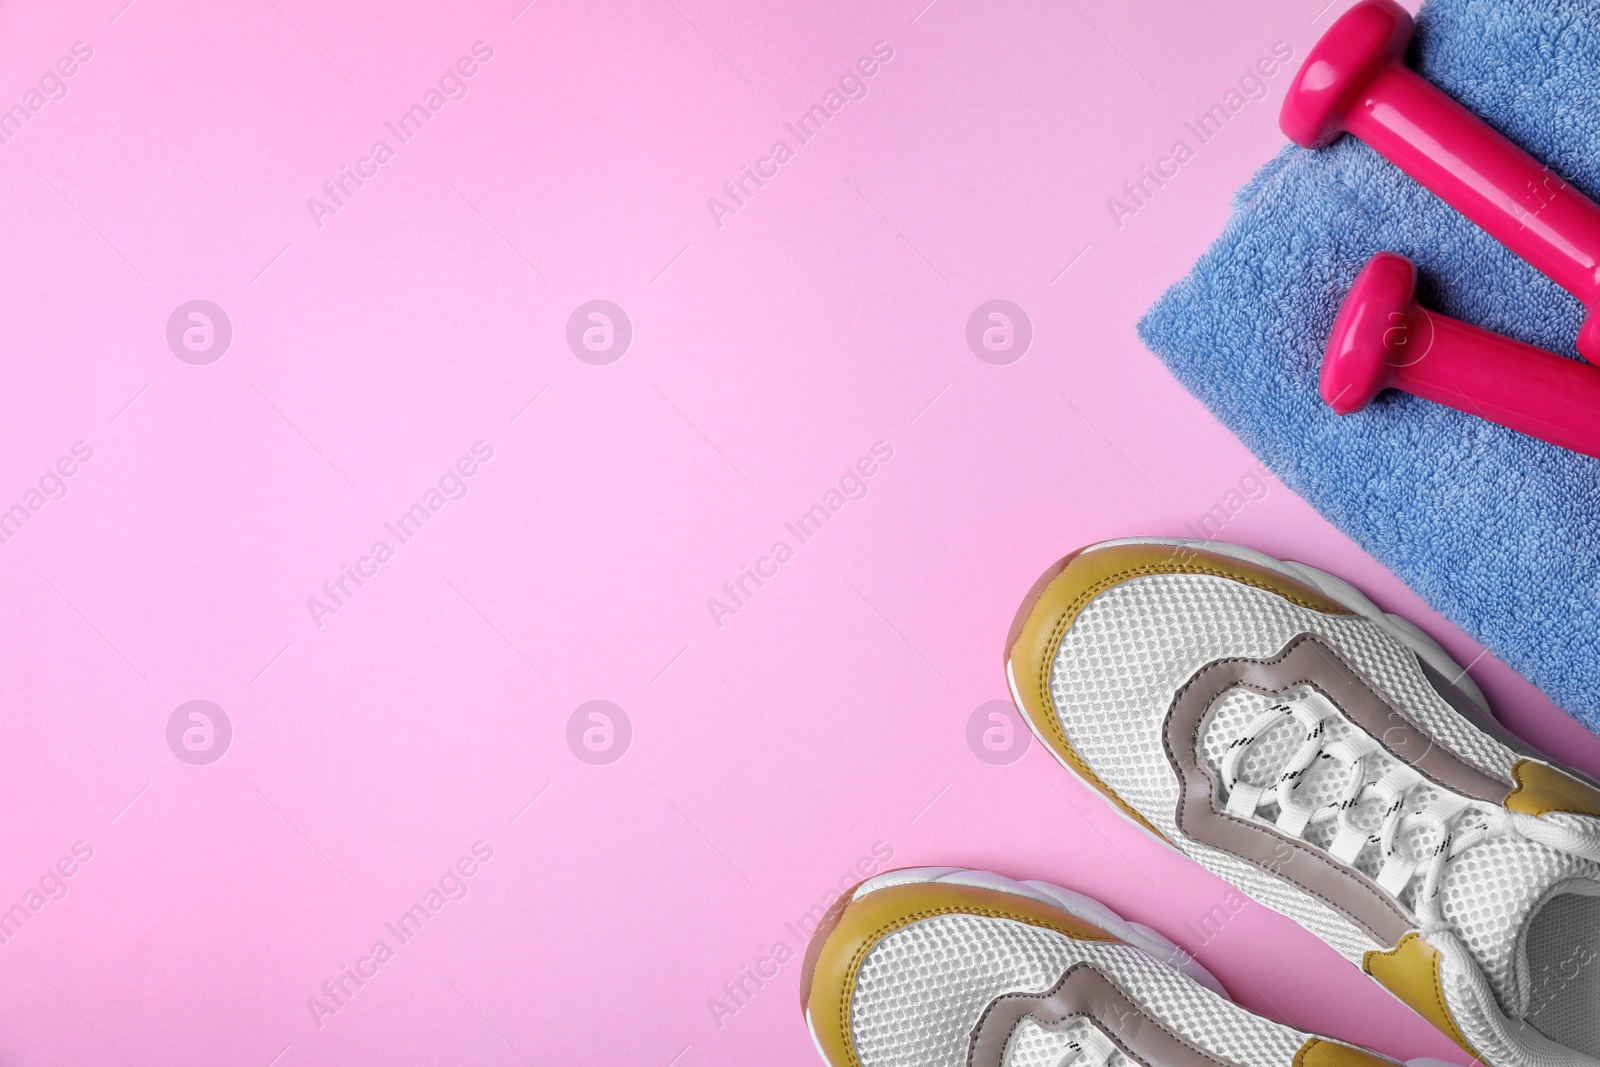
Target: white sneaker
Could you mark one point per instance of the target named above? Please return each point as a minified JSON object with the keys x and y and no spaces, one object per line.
{"x":944,"y":967}
{"x":1333,"y":763}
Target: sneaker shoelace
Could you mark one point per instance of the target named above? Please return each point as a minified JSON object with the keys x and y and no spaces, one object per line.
{"x":1090,"y":1048}
{"x":1399,"y":792}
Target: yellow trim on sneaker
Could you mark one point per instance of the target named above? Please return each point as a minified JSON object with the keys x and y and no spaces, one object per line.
{"x":1321,"y":1052}
{"x":828,"y":983}
{"x":1410,"y":971}
{"x":1542,"y":788}
{"x":1056,"y":600}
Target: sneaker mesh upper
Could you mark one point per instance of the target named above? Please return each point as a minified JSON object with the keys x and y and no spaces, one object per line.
{"x":921,"y":989}
{"x":1132,"y":647}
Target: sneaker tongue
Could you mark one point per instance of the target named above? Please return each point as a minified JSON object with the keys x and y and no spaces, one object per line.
{"x":1492,"y":893}
{"x":1080,"y":1044}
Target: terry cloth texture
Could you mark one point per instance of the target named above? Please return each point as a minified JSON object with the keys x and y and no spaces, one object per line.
{"x":1499,"y":532}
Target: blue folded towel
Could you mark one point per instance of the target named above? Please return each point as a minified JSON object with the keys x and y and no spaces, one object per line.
{"x":1499,"y":532}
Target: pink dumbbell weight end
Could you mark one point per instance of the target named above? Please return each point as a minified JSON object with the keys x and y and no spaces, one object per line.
{"x":1382,"y":339}
{"x":1355,"y":81}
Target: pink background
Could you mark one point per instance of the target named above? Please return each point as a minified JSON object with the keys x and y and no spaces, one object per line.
{"x":768,"y":754}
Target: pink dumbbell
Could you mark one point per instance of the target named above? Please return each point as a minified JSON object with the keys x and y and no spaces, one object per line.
{"x":1355,"y":81}
{"x":1382,"y":339}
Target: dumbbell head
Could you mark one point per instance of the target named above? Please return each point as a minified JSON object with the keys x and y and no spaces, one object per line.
{"x":1366,"y":40}
{"x":1377,"y":329}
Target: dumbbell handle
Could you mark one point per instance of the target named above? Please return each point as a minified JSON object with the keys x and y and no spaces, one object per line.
{"x":1517,"y":200}
{"x":1494,"y":377}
